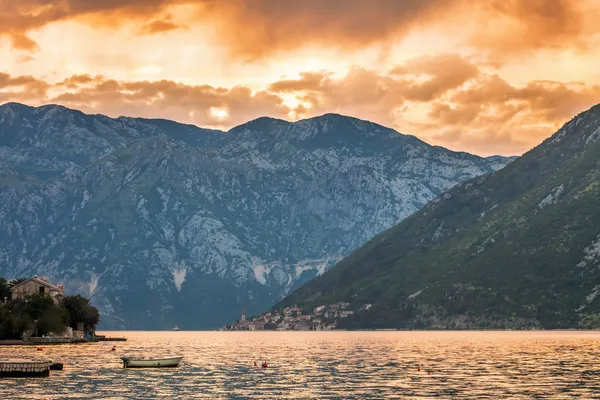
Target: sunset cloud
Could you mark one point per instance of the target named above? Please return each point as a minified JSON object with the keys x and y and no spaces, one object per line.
{"x":167,"y":99}
{"x":256,"y":28}
{"x":491,"y":76}
{"x":159,"y":26}
{"x":445,"y":100}
{"x":517,"y":25}
{"x":17,"y":18}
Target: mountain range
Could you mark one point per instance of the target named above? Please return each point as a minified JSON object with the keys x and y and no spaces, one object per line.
{"x":517,"y":248}
{"x":165,"y":224}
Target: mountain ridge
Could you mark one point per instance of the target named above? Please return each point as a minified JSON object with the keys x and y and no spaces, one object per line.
{"x":317,"y":118}
{"x":161,"y":226}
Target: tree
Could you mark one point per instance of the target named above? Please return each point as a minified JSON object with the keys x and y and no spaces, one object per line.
{"x":37,"y":311}
{"x":4,"y":289}
{"x":12,"y":325}
{"x":54,"y":320}
{"x":37,"y":305}
{"x":16,"y":281}
{"x":80,"y":311}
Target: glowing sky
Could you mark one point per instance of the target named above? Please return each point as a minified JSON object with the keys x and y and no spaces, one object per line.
{"x":483,"y":76}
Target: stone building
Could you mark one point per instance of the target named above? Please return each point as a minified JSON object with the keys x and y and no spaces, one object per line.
{"x":37,"y":285}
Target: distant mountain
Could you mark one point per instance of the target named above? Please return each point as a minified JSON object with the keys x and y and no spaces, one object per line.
{"x":166,"y":224}
{"x":519,"y":248}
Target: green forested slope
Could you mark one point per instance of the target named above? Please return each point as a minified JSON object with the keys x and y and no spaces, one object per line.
{"x":519,"y":248}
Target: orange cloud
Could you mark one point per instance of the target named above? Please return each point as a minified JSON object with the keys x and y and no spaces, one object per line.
{"x":22,"y":88}
{"x":492,"y":115}
{"x":366,"y":94}
{"x":19,"y":17}
{"x":468,"y":109}
{"x":75,"y":81}
{"x":168,"y":99}
{"x":548,"y":101}
{"x":257,"y":28}
{"x":158,"y":26}
{"x":307,"y":81}
{"x":361,"y":93}
{"x":442,"y":72}
{"x":516,"y":26}
{"x":446,"y":99}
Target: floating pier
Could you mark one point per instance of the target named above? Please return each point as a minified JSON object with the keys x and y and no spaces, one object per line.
{"x":102,"y":338}
{"x":112,"y":339}
{"x":22,"y":369}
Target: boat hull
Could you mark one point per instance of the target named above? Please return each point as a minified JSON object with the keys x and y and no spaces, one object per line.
{"x":169,"y":362}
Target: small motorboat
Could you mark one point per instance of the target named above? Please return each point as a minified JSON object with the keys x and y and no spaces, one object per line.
{"x":129,"y":362}
{"x":175,"y":329}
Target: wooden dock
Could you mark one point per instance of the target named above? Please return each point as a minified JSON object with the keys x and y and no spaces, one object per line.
{"x":110,"y":339}
{"x":22,"y":369}
{"x":102,"y":338}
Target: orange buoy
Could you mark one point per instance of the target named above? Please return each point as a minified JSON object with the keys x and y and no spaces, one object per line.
{"x":264,"y":364}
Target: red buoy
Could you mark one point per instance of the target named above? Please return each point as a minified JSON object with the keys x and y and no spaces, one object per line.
{"x":264,"y":364}
{"x":39,"y":349}
{"x":419,"y":369}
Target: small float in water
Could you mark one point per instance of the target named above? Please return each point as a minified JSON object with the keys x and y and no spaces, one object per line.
{"x":129,"y":362}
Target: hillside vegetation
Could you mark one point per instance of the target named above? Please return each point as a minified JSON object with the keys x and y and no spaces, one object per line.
{"x":518,"y":248}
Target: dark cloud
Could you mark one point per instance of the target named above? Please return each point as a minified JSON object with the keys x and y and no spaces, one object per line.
{"x":158,"y":26}
{"x":257,"y":28}
{"x":307,"y":81}
{"x":17,"y":17}
{"x":519,"y":26}
{"x":75,"y":81}
{"x":441,"y":73}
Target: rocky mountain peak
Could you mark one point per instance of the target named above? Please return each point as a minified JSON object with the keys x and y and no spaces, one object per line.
{"x":576,"y":134}
{"x":158,"y":221}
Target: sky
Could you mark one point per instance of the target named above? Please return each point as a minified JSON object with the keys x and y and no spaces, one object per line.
{"x":486,"y":76}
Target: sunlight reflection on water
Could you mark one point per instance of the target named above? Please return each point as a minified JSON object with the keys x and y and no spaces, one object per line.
{"x":475,"y":365}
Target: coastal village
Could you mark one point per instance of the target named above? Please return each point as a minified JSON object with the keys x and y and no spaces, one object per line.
{"x":294,"y":318}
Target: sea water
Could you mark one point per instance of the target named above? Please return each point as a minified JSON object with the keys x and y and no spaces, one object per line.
{"x":327,"y":365}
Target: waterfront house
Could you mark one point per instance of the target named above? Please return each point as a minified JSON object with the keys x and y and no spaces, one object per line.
{"x":37,"y":285}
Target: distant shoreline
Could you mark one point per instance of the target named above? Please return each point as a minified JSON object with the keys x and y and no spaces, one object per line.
{"x":420,"y":330}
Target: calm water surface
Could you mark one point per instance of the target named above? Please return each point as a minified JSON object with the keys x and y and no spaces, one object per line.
{"x":329,"y":365}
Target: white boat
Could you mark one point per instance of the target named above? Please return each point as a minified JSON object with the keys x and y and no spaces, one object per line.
{"x":129,"y":362}
{"x":175,"y":329}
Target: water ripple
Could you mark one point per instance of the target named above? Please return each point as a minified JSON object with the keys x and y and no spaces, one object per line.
{"x":327,"y":365}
